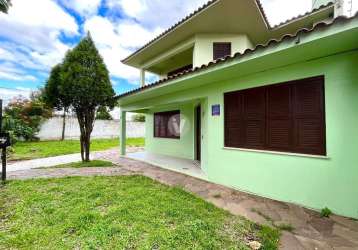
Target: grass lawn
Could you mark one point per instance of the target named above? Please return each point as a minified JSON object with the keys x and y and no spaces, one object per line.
{"x":91,"y":164}
{"x":126,"y":212}
{"x":33,"y":150}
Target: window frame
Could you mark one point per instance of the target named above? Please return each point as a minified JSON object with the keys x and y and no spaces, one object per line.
{"x":235,"y":126}
{"x":166,"y":116}
{"x":215,"y":57}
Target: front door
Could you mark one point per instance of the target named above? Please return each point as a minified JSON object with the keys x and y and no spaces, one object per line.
{"x":198,"y":132}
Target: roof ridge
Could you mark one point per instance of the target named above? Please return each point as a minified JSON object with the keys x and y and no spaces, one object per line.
{"x":247,"y":51}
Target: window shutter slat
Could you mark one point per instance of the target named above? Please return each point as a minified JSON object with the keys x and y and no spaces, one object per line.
{"x":156,"y":125}
{"x":221,"y":50}
{"x":309,"y":118}
{"x":233,"y":120}
{"x":279,"y":122}
{"x":254,"y":115}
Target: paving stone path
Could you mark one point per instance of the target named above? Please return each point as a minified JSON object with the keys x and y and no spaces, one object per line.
{"x":309,"y":230}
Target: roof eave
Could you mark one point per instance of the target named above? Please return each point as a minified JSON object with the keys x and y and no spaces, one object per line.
{"x":239,"y":55}
{"x":212,"y":3}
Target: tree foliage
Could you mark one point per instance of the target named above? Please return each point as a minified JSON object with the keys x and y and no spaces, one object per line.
{"x":23,"y":118}
{"x":103,"y":114}
{"x":54,"y":96}
{"x":139,"y":118}
{"x":85,"y":84}
{"x":5,"y":5}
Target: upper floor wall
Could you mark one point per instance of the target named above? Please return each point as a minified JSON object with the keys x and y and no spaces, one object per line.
{"x":204,"y":46}
{"x":196,"y":51}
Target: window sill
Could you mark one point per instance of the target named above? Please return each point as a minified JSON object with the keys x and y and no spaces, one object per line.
{"x":170,"y":138}
{"x":278,"y":153}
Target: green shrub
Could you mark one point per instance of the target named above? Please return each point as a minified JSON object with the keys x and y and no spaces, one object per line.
{"x":23,"y":118}
{"x":103,"y":114}
{"x":139,"y":118}
{"x":326,"y":212}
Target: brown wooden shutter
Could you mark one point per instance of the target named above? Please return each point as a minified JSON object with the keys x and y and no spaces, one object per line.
{"x":234,"y":128}
{"x":279,"y":119}
{"x":163,"y":129}
{"x":254,"y":116}
{"x":156,"y":125}
{"x":221,"y":50}
{"x":287,"y":117}
{"x":309,"y":117}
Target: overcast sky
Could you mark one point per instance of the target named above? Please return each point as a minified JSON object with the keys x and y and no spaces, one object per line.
{"x":34,"y":37}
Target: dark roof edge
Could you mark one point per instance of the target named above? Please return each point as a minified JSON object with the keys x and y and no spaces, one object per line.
{"x":212,"y":2}
{"x":238,"y":55}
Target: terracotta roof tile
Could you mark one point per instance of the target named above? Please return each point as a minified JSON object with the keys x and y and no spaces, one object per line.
{"x":246,"y":52}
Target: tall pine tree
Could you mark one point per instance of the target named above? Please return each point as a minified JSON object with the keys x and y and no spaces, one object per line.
{"x":86,"y":84}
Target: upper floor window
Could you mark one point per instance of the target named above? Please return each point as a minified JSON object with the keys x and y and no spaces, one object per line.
{"x":167,"y":124}
{"x":221,"y":50}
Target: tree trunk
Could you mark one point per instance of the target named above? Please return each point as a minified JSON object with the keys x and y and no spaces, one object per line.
{"x":82,"y":148}
{"x":86,"y":121}
{"x":81,"y":125}
{"x":88,"y":146}
{"x":63,"y":125}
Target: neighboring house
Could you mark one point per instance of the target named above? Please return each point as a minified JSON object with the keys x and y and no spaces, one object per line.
{"x":268,"y":110}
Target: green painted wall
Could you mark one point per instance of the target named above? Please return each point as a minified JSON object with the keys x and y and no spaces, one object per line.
{"x":316,"y":183}
{"x":313,"y":182}
{"x":183,"y":147}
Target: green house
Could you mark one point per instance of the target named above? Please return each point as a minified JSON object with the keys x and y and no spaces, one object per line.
{"x":267,"y":110}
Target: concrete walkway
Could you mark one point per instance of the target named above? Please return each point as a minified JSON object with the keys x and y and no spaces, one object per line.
{"x":58,"y":160}
{"x":309,"y":231}
{"x":43,"y":162}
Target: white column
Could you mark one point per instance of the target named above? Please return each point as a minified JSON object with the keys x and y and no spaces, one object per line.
{"x":123,"y":133}
{"x":142,"y":77}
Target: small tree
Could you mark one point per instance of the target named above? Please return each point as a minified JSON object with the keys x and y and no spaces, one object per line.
{"x":103,"y":114}
{"x":52,"y":95}
{"x":139,"y":118}
{"x":85,"y":82}
{"x":5,"y":5}
{"x":23,"y":117}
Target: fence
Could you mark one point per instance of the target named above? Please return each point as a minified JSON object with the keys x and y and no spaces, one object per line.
{"x":103,"y":129}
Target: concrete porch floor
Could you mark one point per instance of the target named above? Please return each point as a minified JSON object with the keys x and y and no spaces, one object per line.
{"x":181,"y":165}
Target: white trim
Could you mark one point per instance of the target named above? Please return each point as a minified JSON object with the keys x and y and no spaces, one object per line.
{"x":277,"y":153}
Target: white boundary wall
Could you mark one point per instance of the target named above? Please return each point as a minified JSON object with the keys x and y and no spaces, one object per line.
{"x":103,"y":129}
